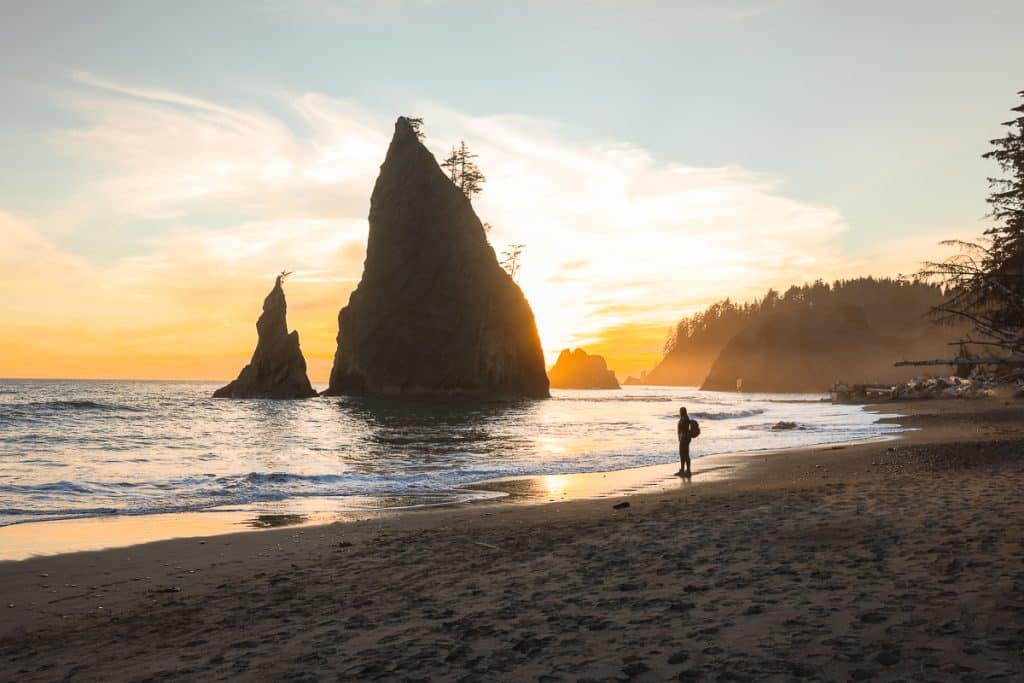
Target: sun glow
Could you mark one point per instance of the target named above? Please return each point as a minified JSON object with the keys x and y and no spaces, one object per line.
{"x":555,"y":483}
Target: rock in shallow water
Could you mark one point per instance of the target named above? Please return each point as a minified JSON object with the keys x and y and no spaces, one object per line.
{"x":434,"y":314}
{"x":277,"y":368}
{"x":580,"y":370}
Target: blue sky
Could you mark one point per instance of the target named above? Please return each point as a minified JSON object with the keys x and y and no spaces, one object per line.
{"x":881,"y":108}
{"x":875,"y":111}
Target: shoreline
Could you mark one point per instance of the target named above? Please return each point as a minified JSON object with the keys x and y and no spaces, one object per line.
{"x":877,"y":560}
{"x":68,"y":535}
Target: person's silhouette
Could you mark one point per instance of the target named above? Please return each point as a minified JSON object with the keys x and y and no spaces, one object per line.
{"x":686,"y":430}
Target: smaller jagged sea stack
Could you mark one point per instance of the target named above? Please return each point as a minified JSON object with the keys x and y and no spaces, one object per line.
{"x":580,"y":370}
{"x":434,"y":315}
{"x":277,"y":368}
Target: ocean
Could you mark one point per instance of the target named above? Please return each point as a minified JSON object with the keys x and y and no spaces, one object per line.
{"x":73,"y":449}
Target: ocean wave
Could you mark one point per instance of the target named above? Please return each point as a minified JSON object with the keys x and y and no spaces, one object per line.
{"x":68,"y":405}
{"x":35,"y":411}
{"x":147,"y":448}
{"x":604,"y":395}
{"x":775,"y":427}
{"x":727,"y":415}
{"x":48,"y":488}
{"x":25,"y":515}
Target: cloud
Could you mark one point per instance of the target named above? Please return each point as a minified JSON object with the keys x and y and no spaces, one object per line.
{"x":216,"y":199}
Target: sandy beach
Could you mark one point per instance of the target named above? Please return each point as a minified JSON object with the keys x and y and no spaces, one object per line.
{"x":896,"y":560}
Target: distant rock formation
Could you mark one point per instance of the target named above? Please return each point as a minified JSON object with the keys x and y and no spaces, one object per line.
{"x":803,"y":351}
{"x":632,"y":381}
{"x":434,"y":314}
{"x":579,"y":370}
{"x":277,"y":368}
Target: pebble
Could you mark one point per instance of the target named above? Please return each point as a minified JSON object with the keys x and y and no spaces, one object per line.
{"x":635,"y":669}
{"x":619,"y":506}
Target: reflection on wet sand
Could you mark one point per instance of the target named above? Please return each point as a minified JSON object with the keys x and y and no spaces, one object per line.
{"x":275,"y":521}
{"x":19,"y":541}
{"x":566,"y":487}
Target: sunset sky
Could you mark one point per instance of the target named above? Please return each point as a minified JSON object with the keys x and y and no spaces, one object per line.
{"x":163,"y":161}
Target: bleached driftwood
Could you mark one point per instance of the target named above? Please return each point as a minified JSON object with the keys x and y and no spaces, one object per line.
{"x":962,"y":361}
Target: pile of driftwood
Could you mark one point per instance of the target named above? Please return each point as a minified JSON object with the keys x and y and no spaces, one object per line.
{"x":981,"y":384}
{"x":944,"y":387}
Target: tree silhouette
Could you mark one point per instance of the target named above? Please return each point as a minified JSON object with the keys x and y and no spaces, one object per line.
{"x":463,"y":170}
{"x":986,"y":277}
{"x":510,"y":260}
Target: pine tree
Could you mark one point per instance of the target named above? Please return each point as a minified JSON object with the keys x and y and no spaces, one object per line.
{"x":510,"y":260}
{"x":1004,"y":261}
{"x":986,"y":278}
{"x":463,"y":170}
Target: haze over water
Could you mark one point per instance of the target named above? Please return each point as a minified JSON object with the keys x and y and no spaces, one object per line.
{"x":79,"y":449}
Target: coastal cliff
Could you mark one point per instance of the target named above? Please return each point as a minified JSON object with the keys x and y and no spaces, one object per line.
{"x":580,"y":370}
{"x":434,"y":314}
{"x":277,"y":368}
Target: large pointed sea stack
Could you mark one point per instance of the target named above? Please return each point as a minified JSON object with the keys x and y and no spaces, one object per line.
{"x":434,"y":314}
{"x":277,"y":368}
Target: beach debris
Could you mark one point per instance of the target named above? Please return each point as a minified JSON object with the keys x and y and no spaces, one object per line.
{"x":486,"y":545}
{"x":981,"y":383}
{"x":859,"y":393}
{"x":976,"y":386}
{"x":622,"y":505}
{"x":635,"y":669}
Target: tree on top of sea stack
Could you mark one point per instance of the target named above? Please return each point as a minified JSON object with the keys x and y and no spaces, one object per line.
{"x":277,"y":368}
{"x":434,"y":314}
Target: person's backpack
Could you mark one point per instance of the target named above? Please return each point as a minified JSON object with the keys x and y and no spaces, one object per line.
{"x":694,"y":429}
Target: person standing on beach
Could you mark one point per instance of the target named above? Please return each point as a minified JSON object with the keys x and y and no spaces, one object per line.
{"x":687,"y":430}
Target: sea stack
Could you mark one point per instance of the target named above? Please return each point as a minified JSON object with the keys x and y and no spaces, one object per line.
{"x":434,"y":315}
{"x":580,"y":370}
{"x":277,"y":368}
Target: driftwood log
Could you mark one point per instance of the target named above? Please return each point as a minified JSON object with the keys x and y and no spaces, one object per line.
{"x":963,"y":361}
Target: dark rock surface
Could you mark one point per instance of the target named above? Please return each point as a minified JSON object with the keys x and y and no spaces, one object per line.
{"x":434,"y":314}
{"x":277,"y":368}
{"x":580,"y":370}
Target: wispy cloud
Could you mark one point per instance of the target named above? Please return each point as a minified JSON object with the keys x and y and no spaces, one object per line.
{"x":224,"y":196}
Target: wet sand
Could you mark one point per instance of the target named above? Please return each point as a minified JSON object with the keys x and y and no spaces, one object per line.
{"x":893,"y":560}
